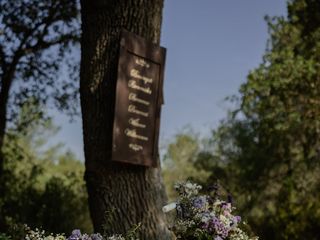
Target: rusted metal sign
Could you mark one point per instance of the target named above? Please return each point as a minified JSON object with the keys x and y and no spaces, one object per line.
{"x":138,"y":101}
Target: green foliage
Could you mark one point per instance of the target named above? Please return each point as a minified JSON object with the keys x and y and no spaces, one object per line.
{"x":36,"y":41}
{"x":281,"y":107}
{"x":4,"y":237}
{"x":179,"y":160}
{"x":272,"y":148}
{"x":44,"y":186}
{"x":267,"y":152}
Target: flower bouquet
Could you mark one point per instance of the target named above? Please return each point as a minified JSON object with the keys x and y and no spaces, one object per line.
{"x":202,"y":217}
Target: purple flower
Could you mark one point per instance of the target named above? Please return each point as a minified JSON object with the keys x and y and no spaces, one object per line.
{"x":215,"y":225}
{"x":217,"y":238}
{"x":75,"y":235}
{"x":236,"y":219}
{"x":199,"y":202}
{"x":76,"y":232}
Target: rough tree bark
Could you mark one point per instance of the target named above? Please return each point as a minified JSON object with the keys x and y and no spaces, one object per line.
{"x":6,"y":79}
{"x":6,"y":82}
{"x":4,"y":95}
{"x":120,"y":195}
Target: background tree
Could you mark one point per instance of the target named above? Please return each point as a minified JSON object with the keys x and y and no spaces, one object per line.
{"x":35,"y":37}
{"x":281,"y":103}
{"x":267,"y":151}
{"x":269,"y":147}
{"x":44,"y":185}
{"x":180,"y":158}
{"x":120,"y":195}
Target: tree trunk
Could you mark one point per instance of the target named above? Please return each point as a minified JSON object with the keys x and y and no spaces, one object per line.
{"x":3,"y":113}
{"x":3,"y":105}
{"x":6,"y":82}
{"x":120,"y":195}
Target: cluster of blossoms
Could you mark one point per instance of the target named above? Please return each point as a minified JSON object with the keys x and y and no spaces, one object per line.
{"x":75,"y":235}
{"x":204,"y":217}
{"x":40,"y":235}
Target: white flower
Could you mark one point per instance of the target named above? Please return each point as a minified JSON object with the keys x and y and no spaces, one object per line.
{"x":225,"y":220}
{"x":116,"y":237}
{"x":205,"y":218}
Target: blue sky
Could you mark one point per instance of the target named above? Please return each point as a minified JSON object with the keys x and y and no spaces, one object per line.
{"x":211,"y":47}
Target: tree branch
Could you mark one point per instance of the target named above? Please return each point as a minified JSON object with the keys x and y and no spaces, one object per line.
{"x":2,"y":58}
{"x":41,"y":44}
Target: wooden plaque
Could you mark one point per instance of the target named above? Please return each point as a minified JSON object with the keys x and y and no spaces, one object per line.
{"x":138,"y":101}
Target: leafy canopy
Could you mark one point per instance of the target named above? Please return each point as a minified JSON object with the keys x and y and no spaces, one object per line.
{"x":267,"y":152}
{"x":37,"y":40}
